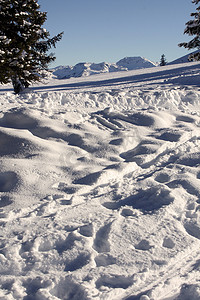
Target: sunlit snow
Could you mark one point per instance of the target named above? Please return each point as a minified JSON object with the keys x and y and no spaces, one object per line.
{"x":100,"y":187}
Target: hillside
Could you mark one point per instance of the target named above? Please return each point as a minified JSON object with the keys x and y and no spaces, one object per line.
{"x":100,"y":187}
{"x":183,"y":59}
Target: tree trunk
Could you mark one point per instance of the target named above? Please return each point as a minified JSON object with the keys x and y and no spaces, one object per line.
{"x":24,"y":83}
{"x":17,"y":85}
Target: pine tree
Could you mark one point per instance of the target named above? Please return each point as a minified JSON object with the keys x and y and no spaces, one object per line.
{"x":193,"y":29}
{"x":163,"y":61}
{"x":24,"y":43}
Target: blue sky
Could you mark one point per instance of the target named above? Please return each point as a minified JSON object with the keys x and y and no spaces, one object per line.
{"x":108,"y":30}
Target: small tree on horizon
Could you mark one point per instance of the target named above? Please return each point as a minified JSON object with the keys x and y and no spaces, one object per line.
{"x":163,"y":61}
{"x":193,"y":29}
{"x":24,"y":43}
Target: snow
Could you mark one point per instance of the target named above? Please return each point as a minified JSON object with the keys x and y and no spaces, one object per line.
{"x":183,"y":59}
{"x":132,"y":63}
{"x":99,"y":187}
{"x":87,"y":69}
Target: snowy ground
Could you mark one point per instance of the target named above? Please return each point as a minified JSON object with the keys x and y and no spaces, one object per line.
{"x":100,"y":187}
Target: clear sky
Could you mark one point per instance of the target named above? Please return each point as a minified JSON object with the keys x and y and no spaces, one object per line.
{"x":108,"y":30}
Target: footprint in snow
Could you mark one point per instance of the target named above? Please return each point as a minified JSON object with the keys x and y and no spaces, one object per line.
{"x":189,"y":186}
{"x":116,"y":142}
{"x":65,"y":202}
{"x":101,"y":243}
{"x":66,"y":244}
{"x":88,"y":179}
{"x":3,"y":215}
{"x":143,"y":245}
{"x":79,"y":262}
{"x":148,"y":201}
{"x":87,"y":230}
{"x":8,"y":181}
{"x":4,"y":201}
{"x":63,"y":187}
{"x":169,"y":136}
{"x":192,"y":223}
{"x":104,"y":260}
{"x":190,"y":160}
{"x":162,"y":177}
{"x":186,"y":119}
{"x":126,"y":212}
{"x":31,"y":287}
{"x":115,"y":281}
{"x":142,"y":149}
{"x":67,"y":288}
{"x":168,"y":243}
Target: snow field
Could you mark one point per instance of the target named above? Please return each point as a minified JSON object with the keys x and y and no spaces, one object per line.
{"x":100,"y":193}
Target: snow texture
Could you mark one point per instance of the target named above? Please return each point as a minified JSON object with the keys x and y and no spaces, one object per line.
{"x":100,"y":187}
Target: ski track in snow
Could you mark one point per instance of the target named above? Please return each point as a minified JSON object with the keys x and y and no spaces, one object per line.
{"x":100,"y":188}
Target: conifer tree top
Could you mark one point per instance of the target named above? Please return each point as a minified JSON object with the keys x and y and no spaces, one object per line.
{"x":24,"y":42}
{"x":193,"y":29}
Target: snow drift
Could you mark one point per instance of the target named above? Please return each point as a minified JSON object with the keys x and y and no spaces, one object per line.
{"x":99,"y":187}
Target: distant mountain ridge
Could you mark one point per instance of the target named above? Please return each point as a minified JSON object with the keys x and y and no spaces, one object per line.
{"x":136,"y":62}
{"x":87,"y":69}
{"x":125,"y":64}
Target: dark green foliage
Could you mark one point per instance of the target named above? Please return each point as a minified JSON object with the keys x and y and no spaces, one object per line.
{"x":163,"y":61}
{"x":23,"y":43}
{"x":193,"y":29}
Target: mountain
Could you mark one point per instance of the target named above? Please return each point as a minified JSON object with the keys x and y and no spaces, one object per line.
{"x":137,"y":62}
{"x":125,"y":64}
{"x":87,"y":69}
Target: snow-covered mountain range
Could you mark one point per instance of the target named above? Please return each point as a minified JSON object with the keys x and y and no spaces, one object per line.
{"x":87,"y":69}
{"x":125,"y":64}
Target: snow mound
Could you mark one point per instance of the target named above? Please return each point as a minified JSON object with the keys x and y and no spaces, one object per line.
{"x":87,"y":69}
